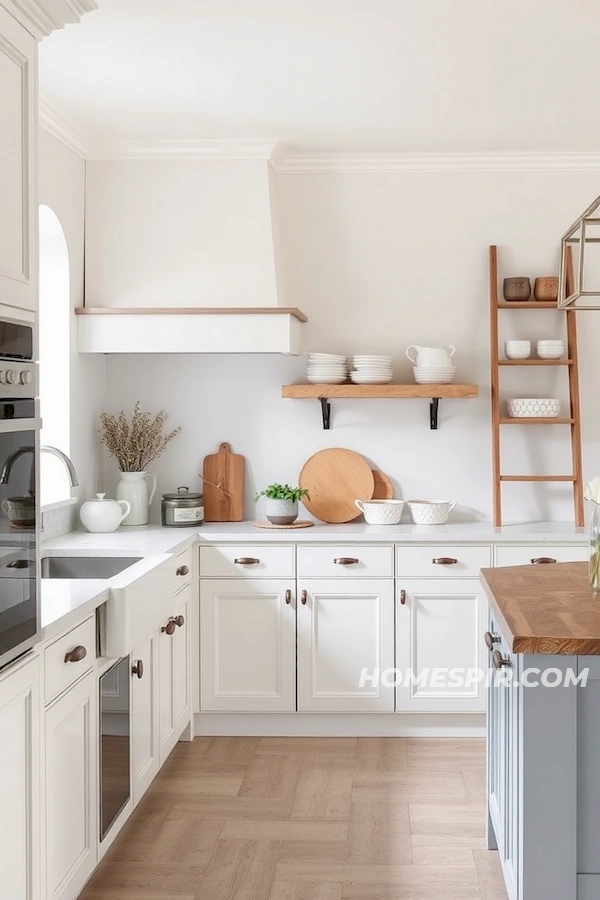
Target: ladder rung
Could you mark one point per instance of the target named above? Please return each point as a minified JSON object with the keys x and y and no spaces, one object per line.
{"x":570,"y":478}
{"x":537,"y":420}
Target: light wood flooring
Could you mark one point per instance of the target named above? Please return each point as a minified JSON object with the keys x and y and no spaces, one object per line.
{"x":308,"y":819}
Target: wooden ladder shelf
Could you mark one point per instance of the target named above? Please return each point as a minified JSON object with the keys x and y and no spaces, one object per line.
{"x":574,"y":417}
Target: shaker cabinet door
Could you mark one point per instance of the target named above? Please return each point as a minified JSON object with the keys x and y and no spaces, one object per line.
{"x":18,"y":114}
{"x":144,"y":722}
{"x":439,"y":647}
{"x":247,"y":645}
{"x":345,"y":626}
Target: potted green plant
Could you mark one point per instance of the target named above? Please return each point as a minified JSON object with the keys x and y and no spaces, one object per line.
{"x":282,"y":502}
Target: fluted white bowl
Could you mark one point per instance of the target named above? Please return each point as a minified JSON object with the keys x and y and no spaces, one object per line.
{"x":534,"y":408}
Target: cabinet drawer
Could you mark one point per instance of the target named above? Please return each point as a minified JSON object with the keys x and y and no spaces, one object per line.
{"x":349,"y":561}
{"x":441,"y":560}
{"x":525,"y":554}
{"x":59,"y":672}
{"x":244,"y":561}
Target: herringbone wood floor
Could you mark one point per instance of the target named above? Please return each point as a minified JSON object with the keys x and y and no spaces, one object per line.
{"x":308,"y":819}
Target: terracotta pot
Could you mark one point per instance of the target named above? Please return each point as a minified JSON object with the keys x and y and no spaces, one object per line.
{"x":517,"y":288}
{"x":546,"y":288}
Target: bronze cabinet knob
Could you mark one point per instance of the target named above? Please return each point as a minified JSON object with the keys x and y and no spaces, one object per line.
{"x":179,"y":621}
{"x":170,"y":627}
{"x":76,"y":654}
{"x":499,"y":661}
{"x":542,"y":559}
{"x":491,"y":639}
{"x":403,"y":597}
{"x":303,"y":598}
{"x":288,"y":596}
{"x":346,"y":561}
{"x":182,"y":570}
{"x":444,"y":561}
{"x":138,"y":668}
{"x":246,"y":561}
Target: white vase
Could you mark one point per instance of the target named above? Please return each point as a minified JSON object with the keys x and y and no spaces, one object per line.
{"x":133,"y":487}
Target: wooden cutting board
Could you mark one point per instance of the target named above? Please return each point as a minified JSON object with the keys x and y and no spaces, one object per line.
{"x":223,"y":476}
{"x":384,"y":489}
{"x":335,"y":478}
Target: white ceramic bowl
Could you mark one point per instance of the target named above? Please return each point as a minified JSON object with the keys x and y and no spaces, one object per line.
{"x":361,"y":378}
{"x":381,"y":512}
{"x":534,"y":408}
{"x":326,"y":379}
{"x":430,"y":512}
{"x":550,"y":349}
{"x":517,"y":349}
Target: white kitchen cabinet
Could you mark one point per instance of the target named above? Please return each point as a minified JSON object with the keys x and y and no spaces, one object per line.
{"x":439,"y":625}
{"x":345,"y":626}
{"x":539,"y":554}
{"x":71,"y":738}
{"x":248,"y":645}
{"x":174,"y":699}
{"x":144,"y":716}
{"x":18,"y":114}
{"x":20,"y":754}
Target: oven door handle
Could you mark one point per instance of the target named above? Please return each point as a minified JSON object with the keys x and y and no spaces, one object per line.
{"x":14,"y":425}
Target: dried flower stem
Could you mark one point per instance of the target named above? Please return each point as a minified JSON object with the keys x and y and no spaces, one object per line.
{"x":137,"y":442}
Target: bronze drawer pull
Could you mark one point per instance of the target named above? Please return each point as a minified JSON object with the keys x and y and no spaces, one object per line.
{"x":179,"y":621}
{"x":499,"y":661}
{"x":542,"y":559}
{"x":138,"y":668}
{"x":444,"y":561}
{"x":288,"y":596}
{"x":491,"y":639}
{"x":170,"y":627}
{"x":402,"y":596}
{"x":182,"y":570}
{"x":246,"y":561}
{"x":76,"y":654}
{"x":303,"y":598}
{"x":345,"y":561}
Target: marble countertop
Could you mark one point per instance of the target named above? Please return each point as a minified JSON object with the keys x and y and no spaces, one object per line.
{"x":64,"y":602}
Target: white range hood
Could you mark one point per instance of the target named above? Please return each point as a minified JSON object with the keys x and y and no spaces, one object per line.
{"x":190,"y":330}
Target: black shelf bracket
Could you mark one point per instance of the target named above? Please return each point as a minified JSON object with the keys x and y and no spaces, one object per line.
{"x":325,"y":412}
{"x":433,"y":413}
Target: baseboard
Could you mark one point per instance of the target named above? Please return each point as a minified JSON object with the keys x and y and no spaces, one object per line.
{"x":340,"y":725}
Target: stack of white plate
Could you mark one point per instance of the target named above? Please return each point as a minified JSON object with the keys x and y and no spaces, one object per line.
{"x":550,"y":349}
{"x":372,"y":370}
{"x":326,"y":368}
{"x":434,"y":375}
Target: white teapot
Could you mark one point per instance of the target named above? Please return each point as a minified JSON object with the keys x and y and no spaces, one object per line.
{"x":101,"y":516}
{"x":431,"y":357}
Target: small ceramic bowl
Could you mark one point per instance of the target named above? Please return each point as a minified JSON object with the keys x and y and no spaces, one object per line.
{"x":517,"y":349}
{"x":546,"y":288}
{"x":381,"y":512}
{"x":534,"y":408}
{"x":430,"y":512}
{"x":517,"y":288}
{"x":550,"y":349}
{"x":20,"y":511}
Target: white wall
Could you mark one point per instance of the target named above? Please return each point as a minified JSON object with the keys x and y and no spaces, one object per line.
{"x":179,"y":233}
{"x":379,"y":262}
{"x":62,"y":187}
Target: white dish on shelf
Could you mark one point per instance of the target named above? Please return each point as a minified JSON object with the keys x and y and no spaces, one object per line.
{"x":550,"y":349}
{"x":328,"y":356}
{"x":533,"y":408}
{"x":361,"y":378}
{"x":326,"y":379}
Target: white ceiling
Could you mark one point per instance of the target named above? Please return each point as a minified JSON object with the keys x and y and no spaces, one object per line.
{"x":383,"y":75}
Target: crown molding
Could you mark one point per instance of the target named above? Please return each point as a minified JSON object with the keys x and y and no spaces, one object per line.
{"x":185,"y":149}
{"x":41,"y":17}
{"x":54,"y":121}
{"x":289,"y":162}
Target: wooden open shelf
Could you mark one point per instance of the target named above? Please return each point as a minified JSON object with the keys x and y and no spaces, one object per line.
{"x":538,"y":420}
{"x":568,"y":478}
{"x":527,"y":304}
{"x":326,"y":392}
{"x":535,"y":362}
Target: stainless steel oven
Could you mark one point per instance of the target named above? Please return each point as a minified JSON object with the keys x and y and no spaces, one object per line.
{"x":19,"y":501}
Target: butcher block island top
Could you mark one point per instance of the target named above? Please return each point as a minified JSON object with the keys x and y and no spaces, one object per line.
{"x":546,"y":608}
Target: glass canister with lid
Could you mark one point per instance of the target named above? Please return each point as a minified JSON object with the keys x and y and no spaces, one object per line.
{"x":182,"y":508}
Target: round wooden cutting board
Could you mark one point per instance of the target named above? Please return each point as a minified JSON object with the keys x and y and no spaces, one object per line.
{"x":384,"y":489}
{"x":335,"y":478}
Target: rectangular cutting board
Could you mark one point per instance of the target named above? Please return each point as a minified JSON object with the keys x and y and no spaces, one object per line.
{"x":223,"y":475}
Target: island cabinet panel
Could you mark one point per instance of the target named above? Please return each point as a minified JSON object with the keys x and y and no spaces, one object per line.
{"x":439,"y":628}
{"x":588,"y":772}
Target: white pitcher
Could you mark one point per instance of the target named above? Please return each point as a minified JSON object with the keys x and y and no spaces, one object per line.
{"x":431,"y":357}
{"x":133,"y":487}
